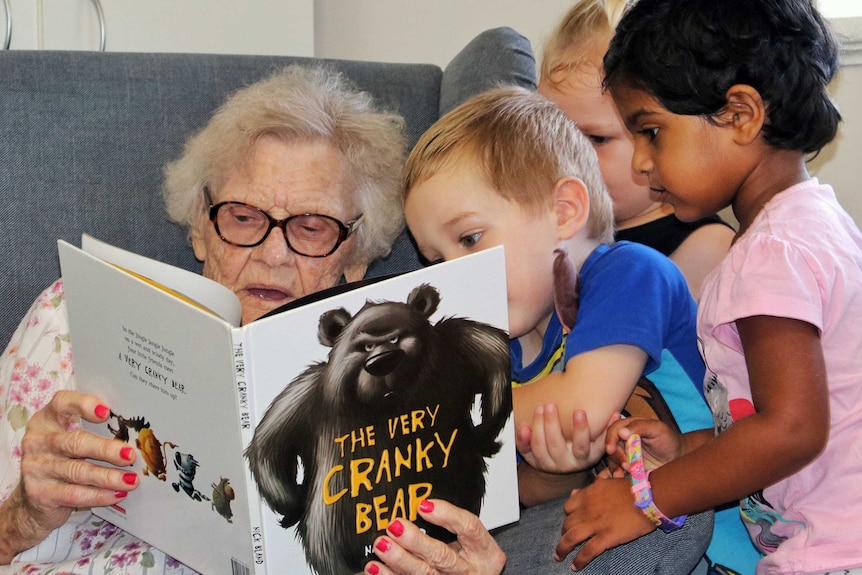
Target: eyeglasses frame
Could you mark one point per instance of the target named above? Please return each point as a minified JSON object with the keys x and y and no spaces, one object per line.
{"x":344,"y":230}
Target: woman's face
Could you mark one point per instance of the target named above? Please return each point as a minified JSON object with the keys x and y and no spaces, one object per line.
{"x":283,"y":179}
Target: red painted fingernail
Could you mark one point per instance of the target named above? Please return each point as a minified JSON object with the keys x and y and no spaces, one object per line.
{"x":126,"y":453}
{"x":130,"y":478}
{"x":396,"y":528}
{"x":373,"y":569}
{"x":383,"y":545}
{"x":120,"y":494}
{"x":102,"y":411}
{"x":426,"y":506}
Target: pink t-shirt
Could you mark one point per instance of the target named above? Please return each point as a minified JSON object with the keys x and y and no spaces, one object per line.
{"x":800,"y":259}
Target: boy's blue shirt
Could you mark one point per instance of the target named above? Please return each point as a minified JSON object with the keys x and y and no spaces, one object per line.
{"x":629,"y":294}
{"x":632,"y":294}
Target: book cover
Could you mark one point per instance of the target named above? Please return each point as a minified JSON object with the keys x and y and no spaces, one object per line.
{"x":288,"y":444}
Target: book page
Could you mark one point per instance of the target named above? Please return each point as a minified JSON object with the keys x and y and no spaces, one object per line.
{"x":165,"y":369}
{"x":182,"y":283}
{"x":378,"y":453}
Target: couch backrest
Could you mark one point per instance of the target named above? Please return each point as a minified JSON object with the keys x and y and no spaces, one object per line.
{"x":84,"y":137}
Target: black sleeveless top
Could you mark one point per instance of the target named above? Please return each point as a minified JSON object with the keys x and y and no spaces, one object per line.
{"x":667,"y":233}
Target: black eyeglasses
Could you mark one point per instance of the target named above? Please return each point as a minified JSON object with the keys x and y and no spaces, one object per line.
{"x":309,"y":235}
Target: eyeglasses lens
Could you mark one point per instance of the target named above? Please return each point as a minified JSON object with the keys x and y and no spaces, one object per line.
{"x":308,"y":234}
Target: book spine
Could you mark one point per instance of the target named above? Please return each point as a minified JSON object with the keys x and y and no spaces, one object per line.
{"x":244,"y":406}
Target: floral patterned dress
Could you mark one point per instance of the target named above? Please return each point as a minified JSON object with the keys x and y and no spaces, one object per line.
{"x":36,"y":364}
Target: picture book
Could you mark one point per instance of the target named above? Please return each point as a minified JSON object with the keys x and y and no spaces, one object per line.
{"x":287,"y":445}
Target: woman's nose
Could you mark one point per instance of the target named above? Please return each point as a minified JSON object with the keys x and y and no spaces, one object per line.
{"x":274,"y":249}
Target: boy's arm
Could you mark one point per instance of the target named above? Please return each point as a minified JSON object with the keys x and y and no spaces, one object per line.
{"x":598,"y":381}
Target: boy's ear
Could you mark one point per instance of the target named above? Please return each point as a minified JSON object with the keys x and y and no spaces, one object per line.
{"x":745,"y":112}
{"x":571,"y":206}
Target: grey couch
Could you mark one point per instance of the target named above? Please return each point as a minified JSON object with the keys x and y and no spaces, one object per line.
{"x":84,"y":137}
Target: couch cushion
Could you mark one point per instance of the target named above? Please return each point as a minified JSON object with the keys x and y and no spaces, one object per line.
{"x":494,"y":57}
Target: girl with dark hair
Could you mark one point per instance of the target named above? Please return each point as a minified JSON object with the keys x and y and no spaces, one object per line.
{"x":725,"y":100}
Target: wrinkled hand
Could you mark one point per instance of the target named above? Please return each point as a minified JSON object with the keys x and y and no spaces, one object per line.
{"x":56,"y":476}
{"x":408,"y":551}
{"x":660,"y":443}
{"x":602,"y":515}
{"x":544,"y":448}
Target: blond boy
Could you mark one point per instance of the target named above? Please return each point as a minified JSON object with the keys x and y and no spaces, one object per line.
{"x":509,"y":168}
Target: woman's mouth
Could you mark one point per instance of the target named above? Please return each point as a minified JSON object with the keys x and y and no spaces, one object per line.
{"x":268,"y":294}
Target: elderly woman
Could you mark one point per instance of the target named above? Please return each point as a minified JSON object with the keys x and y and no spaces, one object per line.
{"x":292,"y":187}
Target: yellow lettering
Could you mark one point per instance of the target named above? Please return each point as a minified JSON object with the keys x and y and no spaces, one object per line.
{"x":418,"y":416}
{"x":433,"y":414}
{"x":340,"y":441}
{"x":363,"y":521}
{"x":401,"y":461}
{"x":362,"y":437}
{"x":359,"y":471}
{"x":380,"y":509}
{"x":419,"y":492}
{"x":383,"y":468}
{"x":422,"y":455}
{"x":399,"y":507}
{"x":446,"y":449}
{"x":328,"y":498}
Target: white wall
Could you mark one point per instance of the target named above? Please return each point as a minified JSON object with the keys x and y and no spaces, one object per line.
{"x":840,"y":8}
{"x":429,"y":31}
{"x":434,"y":30}
{"x":838,"y":163}
{"x":215,"y":26}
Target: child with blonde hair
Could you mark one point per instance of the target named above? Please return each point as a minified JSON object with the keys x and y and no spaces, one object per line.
{"x":571,"y":75}
{"x":725,"y":101}
{"x":509,"y":168}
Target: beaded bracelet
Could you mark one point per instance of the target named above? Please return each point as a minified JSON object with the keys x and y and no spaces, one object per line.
{"x":642,"y":489}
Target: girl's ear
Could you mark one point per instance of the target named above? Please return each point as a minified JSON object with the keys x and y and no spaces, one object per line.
{"x":745,"y":113}
{"x":571,"y":206}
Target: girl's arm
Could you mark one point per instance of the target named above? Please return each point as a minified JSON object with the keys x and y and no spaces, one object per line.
{"x":789,"y":429}
{"x":790,"y":426}
{"x":598,"y":381}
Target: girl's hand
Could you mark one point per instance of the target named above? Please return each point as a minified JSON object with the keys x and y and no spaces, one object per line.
{"x":544,"y":448}
{"x":602,"y":515}
{"x":660,"y":443}
{"x":408,"y":551}
{"x":56,"y":476}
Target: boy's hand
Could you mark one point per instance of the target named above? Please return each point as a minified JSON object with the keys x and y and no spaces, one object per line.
{"x":660,"y":443}
{"x":602,"y":515}
{"x":544,"y":448}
